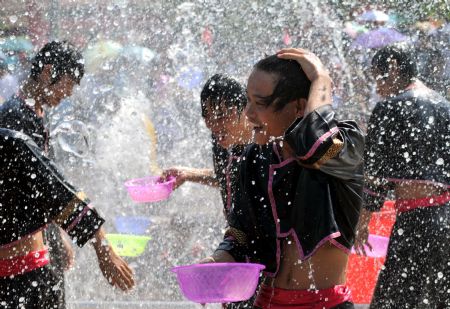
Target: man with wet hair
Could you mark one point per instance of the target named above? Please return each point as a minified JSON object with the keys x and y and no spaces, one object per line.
{"x":407,"y":153}
{"x":222,"y":100}
{"x":34,"y":194}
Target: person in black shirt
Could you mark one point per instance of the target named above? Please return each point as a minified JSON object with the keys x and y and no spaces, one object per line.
{"x":222,"y":100}
{"x":407,"y":155}
{"x":56,"y":69}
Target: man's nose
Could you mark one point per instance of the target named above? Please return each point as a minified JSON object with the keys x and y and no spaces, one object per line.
{"x":248,"y":111}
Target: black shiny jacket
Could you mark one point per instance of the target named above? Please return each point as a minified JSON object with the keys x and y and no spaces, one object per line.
{"x":315,"y":196}
{"x":33,"y":194}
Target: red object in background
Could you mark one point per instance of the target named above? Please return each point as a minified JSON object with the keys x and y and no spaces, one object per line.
{"x":207,"y":36}
{"x":287,"y":38}
{"x":362,"y":272}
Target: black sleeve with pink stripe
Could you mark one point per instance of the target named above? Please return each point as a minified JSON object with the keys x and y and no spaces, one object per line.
{"x":82,"y":221}
{"x":312,"y":136}
{"x":33,"y":194}
{"x":322,"y":142}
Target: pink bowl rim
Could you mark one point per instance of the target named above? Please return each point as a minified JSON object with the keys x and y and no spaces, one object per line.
{"x":130,"y":182}
{"x":212,"y":265}
{"x":380,"y":237}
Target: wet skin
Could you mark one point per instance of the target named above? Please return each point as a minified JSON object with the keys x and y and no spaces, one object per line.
{"x":31,"y":243}
{"x":325,"y":269}
{"x":227,"y":125}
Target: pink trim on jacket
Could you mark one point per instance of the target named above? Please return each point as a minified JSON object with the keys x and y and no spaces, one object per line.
{"x":78,"y":219}
{"x":318,"y":142}
{"x":272,"y":201}
{"x":373,"y":193}
{"x":428,"y":182}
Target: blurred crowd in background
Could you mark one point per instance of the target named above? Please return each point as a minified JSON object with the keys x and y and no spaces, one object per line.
{"x":171,"y":44}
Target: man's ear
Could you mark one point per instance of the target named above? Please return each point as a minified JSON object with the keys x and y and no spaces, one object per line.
{"x":300,"y":107}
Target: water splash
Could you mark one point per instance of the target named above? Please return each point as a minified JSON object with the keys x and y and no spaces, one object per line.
{"x":150,"y":128}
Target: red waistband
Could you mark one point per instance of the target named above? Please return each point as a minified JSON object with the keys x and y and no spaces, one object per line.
{"x":406,"y":205}
{"x":276,"y":298}
{"x":22,"y":264}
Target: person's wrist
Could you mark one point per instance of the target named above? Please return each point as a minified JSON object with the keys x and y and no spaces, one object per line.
{"x":100,"y":246}
{"x":100,"y":242}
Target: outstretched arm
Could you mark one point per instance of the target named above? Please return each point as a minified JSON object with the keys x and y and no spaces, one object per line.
{"x":54,"y":200}
{"x":197,"y":175}
{"x":113,"y":267}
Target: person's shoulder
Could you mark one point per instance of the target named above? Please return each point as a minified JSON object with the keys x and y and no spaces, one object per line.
{"x":237,"y":150}
{"x":429,"y":98}
{"x":5,"y":134}
{"x":15,"y":138}
{"x":395,"y":104}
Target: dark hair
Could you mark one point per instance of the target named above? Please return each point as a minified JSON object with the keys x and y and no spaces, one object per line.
{"x":63,"y":57}
{"x":404,"y":56}
{"x":223,"y":90}
{"x":292,"y":81}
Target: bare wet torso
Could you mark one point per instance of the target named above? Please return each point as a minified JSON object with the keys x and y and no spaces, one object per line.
{"x":34,"y":242}
{"x":413,"y":190}
{"x":325,"y":269}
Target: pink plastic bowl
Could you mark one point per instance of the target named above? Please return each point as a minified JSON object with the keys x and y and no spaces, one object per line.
{"x":149,"y":189}
{"x":379,"y":246}
{"x":218,"y":282}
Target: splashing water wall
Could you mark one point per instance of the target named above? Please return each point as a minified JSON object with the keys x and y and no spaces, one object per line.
{"x":146,"y":62}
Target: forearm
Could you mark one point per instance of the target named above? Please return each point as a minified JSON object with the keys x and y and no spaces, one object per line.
{"x":364,"y":217}
{"x":202,"y":176}
{"x":222,"y":256}
{"x":319,"y":93}
{"x":99,"y":241}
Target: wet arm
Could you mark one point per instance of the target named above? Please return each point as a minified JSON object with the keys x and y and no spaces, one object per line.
{"x":319,"y":93}
{"x":197,"y":175}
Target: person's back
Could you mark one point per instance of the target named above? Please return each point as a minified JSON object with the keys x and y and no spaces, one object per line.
{"x":407,"y":156}
{"x":416,"y":126}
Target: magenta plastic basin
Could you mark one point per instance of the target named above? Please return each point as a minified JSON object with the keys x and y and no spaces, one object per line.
{"x":149,"y":189}
{"x":379,"y":246}
{"x":218,"y":282}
